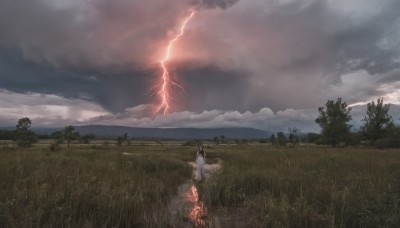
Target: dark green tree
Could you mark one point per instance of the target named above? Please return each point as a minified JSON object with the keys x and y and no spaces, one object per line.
{"x":293,"y":135}
{"x":281,"y":139}
{"x":377,"y":121}
{"x":121,"y":139}
{"x":58,"y":137}
{"x":87,"y":138}
{"x":312,"y":137}
{"x":7,"y":135}
{"x":273,"y":139}
{"x":333,"y":120}
{"x":70,"y":134}
{"x":222,"y":137}
{"x":216,"y":140}
{"x":23,"y":136}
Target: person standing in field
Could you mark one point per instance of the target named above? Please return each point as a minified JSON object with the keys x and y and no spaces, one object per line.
{"x":201,"y":161}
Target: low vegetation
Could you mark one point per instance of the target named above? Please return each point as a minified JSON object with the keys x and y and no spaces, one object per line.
{"x":308,"y":186}
{"x":260,"y":185}
{"x":83,"y":187}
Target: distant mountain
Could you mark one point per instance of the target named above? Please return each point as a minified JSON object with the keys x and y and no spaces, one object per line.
{"x":168,"y":133}
{"x":172,"y":133}
{"x":37,"y":130}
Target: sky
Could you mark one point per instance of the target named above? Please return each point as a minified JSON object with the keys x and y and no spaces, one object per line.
{"x":266,"y":64}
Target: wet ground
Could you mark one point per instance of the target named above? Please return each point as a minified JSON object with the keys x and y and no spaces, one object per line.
{"x":186,"y":209}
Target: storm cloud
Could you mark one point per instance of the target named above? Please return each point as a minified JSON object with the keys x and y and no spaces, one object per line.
{"x":223,"y":4}
{"x":235,"y":55}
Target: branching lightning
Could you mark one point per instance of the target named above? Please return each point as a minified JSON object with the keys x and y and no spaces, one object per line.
{"x":164,"y":88}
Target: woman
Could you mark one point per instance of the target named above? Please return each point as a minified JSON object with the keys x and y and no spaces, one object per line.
{"x":201,"y":161}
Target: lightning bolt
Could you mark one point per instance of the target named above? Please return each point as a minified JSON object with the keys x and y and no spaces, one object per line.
{"x":164,"y":95}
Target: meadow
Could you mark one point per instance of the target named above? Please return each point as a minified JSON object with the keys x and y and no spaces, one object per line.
{"x":258,"y":186}
{"x":307,"y":187}
{"x":88,"y":187}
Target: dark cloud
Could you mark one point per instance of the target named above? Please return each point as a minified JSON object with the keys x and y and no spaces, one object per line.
{"x":115,"y":92}
{"x":211,"y":4}
{"x":210,"y":87}
{"x":88,"y":35}
{"x":280,"y":54}
{"x":296,"y":50}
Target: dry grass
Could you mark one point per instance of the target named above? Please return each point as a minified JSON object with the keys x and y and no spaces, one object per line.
{"x":88,"y":187}
{"x":308,"y":187}
{"x":262,"y":186}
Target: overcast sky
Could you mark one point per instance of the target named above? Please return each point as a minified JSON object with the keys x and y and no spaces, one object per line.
{"x":267,"y":64}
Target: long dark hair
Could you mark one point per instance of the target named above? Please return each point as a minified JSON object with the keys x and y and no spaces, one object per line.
{"x":201,"y":152}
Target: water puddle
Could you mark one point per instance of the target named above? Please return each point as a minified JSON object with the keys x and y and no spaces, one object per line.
{"x":186,"y":208}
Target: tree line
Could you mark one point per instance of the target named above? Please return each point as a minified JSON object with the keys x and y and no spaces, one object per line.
{"x":22,"y":136}
{"x":378,"y":127}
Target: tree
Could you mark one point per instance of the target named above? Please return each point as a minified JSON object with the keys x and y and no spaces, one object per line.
{"x":333,"y":120}
{"x":281,"y":139}
{"x":122,"y":139}
{"x":58,"y":136}
{"x":293,"y":137}
{"x":312,"y":137}
{"x":222,"y":137}
{"x":216,"y":140}
{"x":377,"y":121}
{"x":272,"y":139}
{"x":24,"y":124}
{"x":87,"y":138}
{"x":23,"y":136}
{"x":392,"y":140}
{"x":7,"y":135}
{"x":70,"y":134}
{"x":119,"y":140}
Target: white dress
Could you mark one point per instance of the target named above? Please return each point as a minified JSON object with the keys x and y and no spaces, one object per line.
{"x":200,"y":168}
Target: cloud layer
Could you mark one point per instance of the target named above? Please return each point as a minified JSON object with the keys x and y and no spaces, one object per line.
{"x":55,"y":111}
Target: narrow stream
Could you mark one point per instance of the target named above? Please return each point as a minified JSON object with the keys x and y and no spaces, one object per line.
{"x":186,"y":209}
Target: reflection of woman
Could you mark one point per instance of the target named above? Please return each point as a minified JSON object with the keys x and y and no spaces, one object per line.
{"x":200,"y":160}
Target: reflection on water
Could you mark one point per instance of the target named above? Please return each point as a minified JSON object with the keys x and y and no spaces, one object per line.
{"x":199,"y":210}
{"x":187,"y":207}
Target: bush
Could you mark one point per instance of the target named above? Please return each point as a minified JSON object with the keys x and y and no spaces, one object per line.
{"x":55,"y":147}
{"x":263,"y":141}
{"x":192,"y":143}
{"x":388,"y":142}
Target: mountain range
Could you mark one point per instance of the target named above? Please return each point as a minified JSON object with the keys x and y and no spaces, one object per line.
{"x":172,"y":133}
{"x":103,"y":131}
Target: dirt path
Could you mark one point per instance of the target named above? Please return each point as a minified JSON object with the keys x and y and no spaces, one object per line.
{"x":186,"y":209}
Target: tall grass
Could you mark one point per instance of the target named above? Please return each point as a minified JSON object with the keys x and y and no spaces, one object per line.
{"x":264,"y":186}
{"x":308,"y":187}
{"x":89,"y":187}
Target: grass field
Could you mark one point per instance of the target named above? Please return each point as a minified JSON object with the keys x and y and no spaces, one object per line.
{"x":88,"y":187}
{"x":308,"y":187}
{"x":259,"y":185}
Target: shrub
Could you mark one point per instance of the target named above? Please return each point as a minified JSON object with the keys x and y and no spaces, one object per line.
{"x":388,"y":142}
{"x":55,"y":147}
